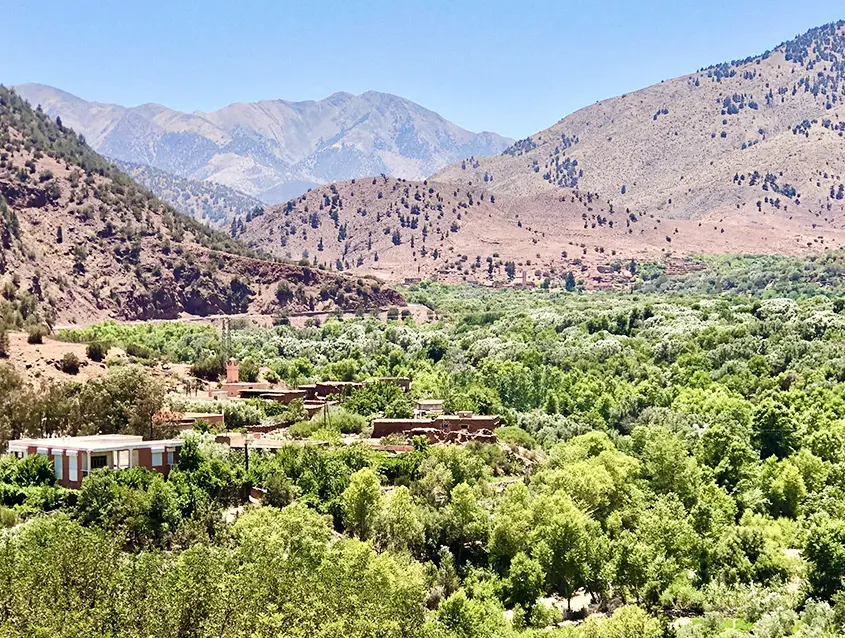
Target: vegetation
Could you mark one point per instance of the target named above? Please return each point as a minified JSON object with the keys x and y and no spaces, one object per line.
{"x":660,"y":456}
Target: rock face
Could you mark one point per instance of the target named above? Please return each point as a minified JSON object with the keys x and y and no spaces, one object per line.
{"x":79,"y":240}
{"x":275,"y":149}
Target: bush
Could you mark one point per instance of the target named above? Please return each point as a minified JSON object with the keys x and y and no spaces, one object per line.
{"x":36,"y":334}
{"x":4,"y":344}
{"x":385,"y":398}
{"x":7,"y":517}
{"x":516,"y":436}
{"x":239,"y":415}
{"x":304,"y":429}
{"x":138,"y":350}
{"x":211,"y":368}
{"x":97,"y":351}
{"x":346,"y":422}
{"x":70,"y":363}
{"x":248,"y":371}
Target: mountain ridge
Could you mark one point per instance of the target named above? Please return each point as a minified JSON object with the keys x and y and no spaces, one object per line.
{"x":80,"y":240}
{"x":273,"y":149}
{"x":675,"y":147}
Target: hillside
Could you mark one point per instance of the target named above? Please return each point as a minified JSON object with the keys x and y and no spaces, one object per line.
{"x":275,"y":149}
{"x":744,"y":138}
{"x":399,"y":230}
{"x":208,"y":202}
{"x":80,"y":240}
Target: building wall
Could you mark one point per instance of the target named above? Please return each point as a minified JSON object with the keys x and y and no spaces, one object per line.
{"x":144,"y":459}
{"x":386,"y":427}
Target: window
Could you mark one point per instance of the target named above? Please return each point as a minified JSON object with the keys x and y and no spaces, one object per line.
{"x":157,"y":458}
{"x":98,"y":462}
{"x":170,"y":457}
{"x":72,"y":467}
{"x":57,"y":466}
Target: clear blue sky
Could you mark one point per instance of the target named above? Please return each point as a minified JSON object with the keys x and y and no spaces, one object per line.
{"x":511,"y":66}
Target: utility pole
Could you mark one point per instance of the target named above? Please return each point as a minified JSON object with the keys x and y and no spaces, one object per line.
{"x":226,"y":336}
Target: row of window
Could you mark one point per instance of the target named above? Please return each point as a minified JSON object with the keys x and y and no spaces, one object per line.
{"x":97,"y":462}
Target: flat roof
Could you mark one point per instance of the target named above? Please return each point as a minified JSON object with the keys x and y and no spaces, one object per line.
{"x":93,"y":443}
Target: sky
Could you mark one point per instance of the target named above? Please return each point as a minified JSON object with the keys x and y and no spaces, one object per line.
{"x":510,"y":66}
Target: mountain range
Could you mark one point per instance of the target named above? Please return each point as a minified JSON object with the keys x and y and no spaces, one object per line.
{"x":274,"y":149}
{"x":741,"y":157}
{"x":80,"y":240}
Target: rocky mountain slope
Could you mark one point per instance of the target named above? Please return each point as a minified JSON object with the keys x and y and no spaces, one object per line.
{"x":754,"y":136}
{"x":400,"y":229}
{"x":79,"y":240}
{"x":274,"y":149}
{"x":212,"y":203}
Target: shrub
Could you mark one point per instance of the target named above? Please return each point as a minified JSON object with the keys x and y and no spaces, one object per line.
{"x":7,"y":517}
{"x":248,"y":371}
{"x":211,"y":368}
{"x":69,"y":363}
{"x":516,"y":436}
{"x":4,"y":344}
{"x":36,"y":334}
{"x":346,"y":422}
{"x":239,"y":415}
{"x":97,"y":351}
{"x":138,"y":350}
{"x":303,"y":429}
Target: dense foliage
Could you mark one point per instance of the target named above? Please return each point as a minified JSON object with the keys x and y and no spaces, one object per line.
{"x":660,"y":457}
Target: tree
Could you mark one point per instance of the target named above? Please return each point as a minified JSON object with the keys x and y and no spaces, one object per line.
{"x":824,"y":550}
{"x":525,"y":581}
{"x":397,"y":526}
{"x":628,"y":621}
{"x":466,"y":522}
{"x":4,"y":344}
{"x":561,"y":538}
{"x":569,"y":282}
{"x":361,"y":502}
{"x":248,"y":371}
{"x":775,"y":432}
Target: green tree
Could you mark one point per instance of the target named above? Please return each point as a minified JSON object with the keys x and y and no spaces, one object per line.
{"x":525,"y":581}
{"x":466,"y":522}
{"x":362,"y":502}
{"x":824,"y":550}
{"x":397,"y":526}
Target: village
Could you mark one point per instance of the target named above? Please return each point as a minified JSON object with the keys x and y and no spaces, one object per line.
{"x":76,"y":457}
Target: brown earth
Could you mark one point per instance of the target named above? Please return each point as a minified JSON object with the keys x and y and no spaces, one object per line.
{"x":40,"y":361}
{"x":457,"y":233}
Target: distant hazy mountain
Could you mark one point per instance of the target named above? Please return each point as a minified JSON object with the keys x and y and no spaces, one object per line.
{"x":212,"y":203}
{"x":273,"y":149}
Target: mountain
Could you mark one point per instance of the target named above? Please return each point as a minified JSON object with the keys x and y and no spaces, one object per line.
{"x":743,"y":157}
{"x":744,"y":138}
{"x":79,"y":240}
{"x":212,"y":203}
{"x":398,"y":229}
{"x":275,"y":149}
